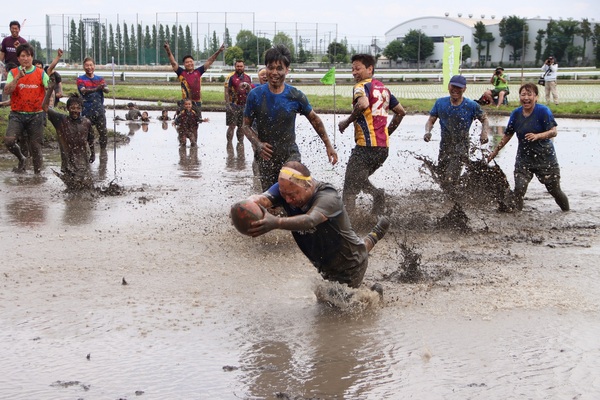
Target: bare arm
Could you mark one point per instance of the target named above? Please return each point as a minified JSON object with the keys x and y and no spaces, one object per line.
{"x":172,"y":60}
{"x":485,"y":129}
{"x":212,"y":58}
{"x":361,"y":104}
{"x":261,"y":200}
{"x":263,"y":149}
{"x":317,"y":124}
{"x":532,"y":137}
{"x":296,"y":223}
{"x":48,"y":96}
{"x":399,"y":113}
{"x":499,"y":147}
{"x":2,"y":55}
{"x":59,"y":54}
{"x":12,"y":85}
{"x":429,"y":127}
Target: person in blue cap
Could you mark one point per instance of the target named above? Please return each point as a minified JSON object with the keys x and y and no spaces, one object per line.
{"x":456,"y":114}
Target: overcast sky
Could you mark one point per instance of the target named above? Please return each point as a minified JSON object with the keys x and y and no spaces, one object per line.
{"x":356,"y":20}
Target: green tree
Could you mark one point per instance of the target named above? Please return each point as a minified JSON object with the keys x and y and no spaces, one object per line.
{"x":466,"y":52}
{"x":112,"y":49}
{"x":233,"y":53}
{"x":302,"y":54}
{"x":126,"y":44}
{"x":568,"y":30}
{"x":173,"y":39}
{"x":513,"y":31}
{"x":104,"y":43}
{"x":248,"y":42}
{"x":119,"y":43}
{"x":596,"y":43}
{"x":133,"y":47}
{"x":214,"y":43}
{"x":394,"y":50}
{"x":162,"y":38}
{"x":149,"y":48}
{"x":181,"y":43}
{"x":74,"y":44}
{"x":337,"y":53}
{"x":489,"y":38}
{"x":479,"y":38}
{"x":227,"y":40}
{"x":586,"y":34}
{"x":38,"y":51}
{"x":417,"y":46}
{"x":140,"y":45}
{"x":82,"y":41}
{"x":287,"y":41}
{"x":538,"y":46}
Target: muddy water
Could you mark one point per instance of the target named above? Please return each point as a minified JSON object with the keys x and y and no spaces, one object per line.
{"x":152,"y":294}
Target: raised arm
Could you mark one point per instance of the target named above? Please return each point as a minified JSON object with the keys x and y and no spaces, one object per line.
{"x":212,"y":58}
{"x":59,"y":54}
{"x":48,"y":96}
{"x":172,"y":60}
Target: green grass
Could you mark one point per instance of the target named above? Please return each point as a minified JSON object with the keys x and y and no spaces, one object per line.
{"x":212,"y":99}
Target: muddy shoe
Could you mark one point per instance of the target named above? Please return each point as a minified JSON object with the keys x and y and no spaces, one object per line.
{"x":20,"y":169}
{"x":383,"y":224}
{"x":377,"y":288}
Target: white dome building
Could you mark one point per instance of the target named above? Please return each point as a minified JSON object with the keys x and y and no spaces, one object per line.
{"x":438,"y":28}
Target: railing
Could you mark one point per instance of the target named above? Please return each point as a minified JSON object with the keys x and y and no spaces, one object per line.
{"x":124,"y":75}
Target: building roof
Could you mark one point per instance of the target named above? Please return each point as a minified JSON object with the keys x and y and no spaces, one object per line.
{"x":468,"y":22}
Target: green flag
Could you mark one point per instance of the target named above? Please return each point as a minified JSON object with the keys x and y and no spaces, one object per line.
{"x":329,"y":77}
{"x":451,"y":61}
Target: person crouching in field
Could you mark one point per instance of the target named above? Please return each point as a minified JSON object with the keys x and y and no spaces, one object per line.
{"x":187,"y":122}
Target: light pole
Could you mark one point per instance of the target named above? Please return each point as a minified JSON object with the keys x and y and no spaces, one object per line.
{"x":419,"y":53}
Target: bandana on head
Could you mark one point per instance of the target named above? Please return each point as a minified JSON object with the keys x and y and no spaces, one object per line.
{"x":295,"y":177}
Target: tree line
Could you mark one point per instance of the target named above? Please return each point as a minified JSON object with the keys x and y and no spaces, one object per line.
{"x":558,"y":39}
{"x":137,"y":44}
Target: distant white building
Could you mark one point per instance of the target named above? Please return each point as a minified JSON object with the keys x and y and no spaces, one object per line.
{"x":438,"y":28}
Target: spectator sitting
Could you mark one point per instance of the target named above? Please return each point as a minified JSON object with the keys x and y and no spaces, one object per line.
{"x":500,"y":90}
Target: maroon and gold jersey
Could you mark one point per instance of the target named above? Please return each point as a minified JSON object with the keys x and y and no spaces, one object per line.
{"x":370,"y":129}
{"x":238,"y":92}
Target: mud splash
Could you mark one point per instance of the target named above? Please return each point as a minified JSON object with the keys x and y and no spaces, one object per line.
{"x":479,"y":184}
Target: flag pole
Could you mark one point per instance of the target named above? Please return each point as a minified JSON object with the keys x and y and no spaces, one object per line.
{"x":114,"y":115}
{"x":334,"y":116}
{"x":329,"y":79}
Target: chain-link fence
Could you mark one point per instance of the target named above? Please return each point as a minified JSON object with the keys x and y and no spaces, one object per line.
{"x":138,"y":39}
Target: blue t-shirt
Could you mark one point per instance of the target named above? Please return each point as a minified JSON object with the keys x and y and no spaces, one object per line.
{"x":538,"y":153}
{"x":93,"y":102}
{"x":275,"y":116}
{"x":455,"y":121}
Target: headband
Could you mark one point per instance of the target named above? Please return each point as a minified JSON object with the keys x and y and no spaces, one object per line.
{"x":295,"y":177}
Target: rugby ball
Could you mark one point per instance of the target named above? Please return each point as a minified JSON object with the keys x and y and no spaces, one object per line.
{"x":244,"y":213}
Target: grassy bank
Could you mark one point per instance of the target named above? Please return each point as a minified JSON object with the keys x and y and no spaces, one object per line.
{"x":212,"y":98}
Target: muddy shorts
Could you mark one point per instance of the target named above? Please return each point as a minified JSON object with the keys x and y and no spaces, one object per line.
{"x":546,"y":175}
{"x":234,"y":115}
